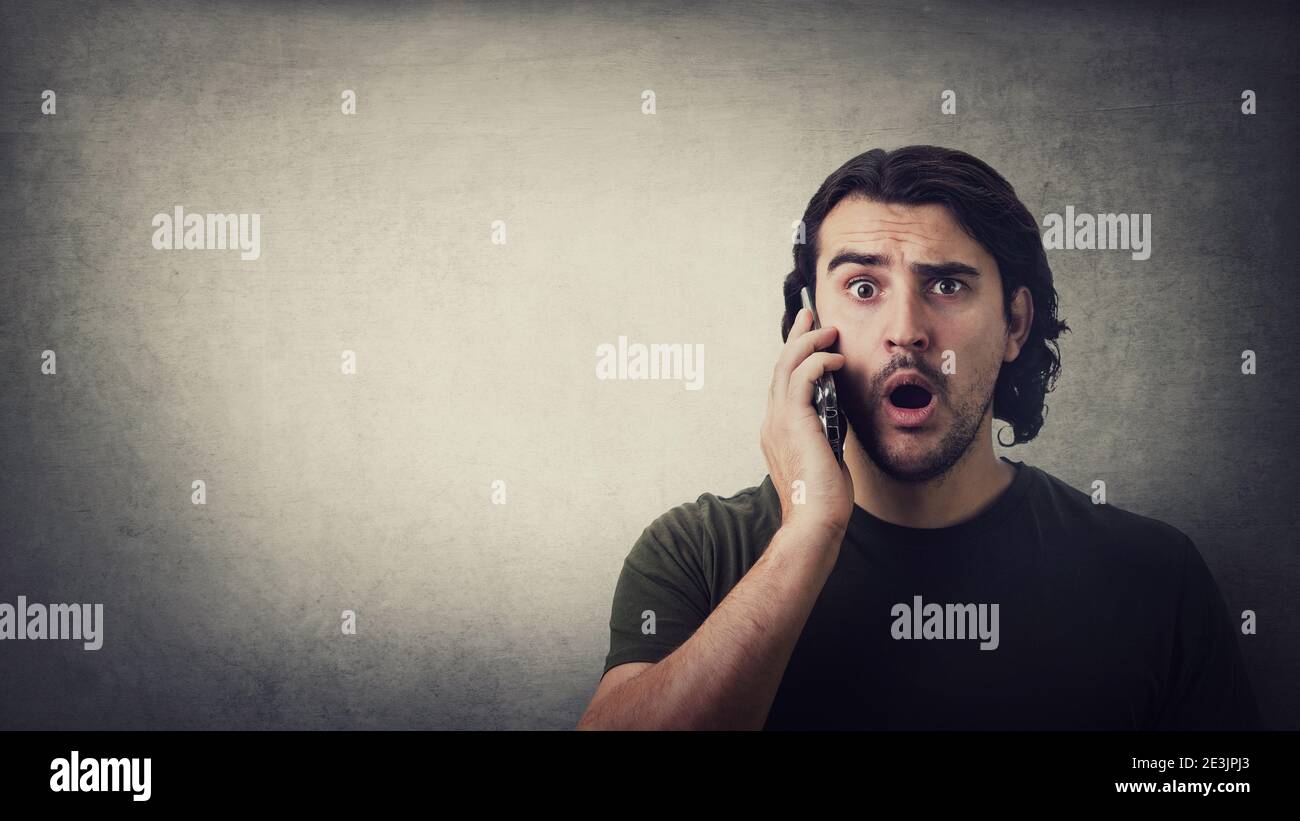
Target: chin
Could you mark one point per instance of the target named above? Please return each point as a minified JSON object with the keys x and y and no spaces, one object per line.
{"x":911,"y":469}
{"x":908,"y":454}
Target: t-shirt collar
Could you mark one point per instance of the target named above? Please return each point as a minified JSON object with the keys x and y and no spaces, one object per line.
{"x":866,"y":528}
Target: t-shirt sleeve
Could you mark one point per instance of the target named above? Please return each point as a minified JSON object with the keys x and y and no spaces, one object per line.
{"x":662,"y":596}
{"x":1208,"y":687}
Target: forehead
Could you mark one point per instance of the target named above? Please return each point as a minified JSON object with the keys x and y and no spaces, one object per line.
{"x":923,"y":233}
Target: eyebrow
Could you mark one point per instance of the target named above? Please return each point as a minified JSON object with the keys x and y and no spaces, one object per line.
{"x":941,"y":269}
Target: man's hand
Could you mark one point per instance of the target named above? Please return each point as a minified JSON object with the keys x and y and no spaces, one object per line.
{"x":792,"y":438}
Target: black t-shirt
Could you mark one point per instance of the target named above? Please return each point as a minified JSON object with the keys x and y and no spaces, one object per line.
{"x":1104,"y":619}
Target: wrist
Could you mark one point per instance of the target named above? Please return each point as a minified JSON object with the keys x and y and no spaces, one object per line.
{"x":819,"y":542}
{"x":814,"y":527}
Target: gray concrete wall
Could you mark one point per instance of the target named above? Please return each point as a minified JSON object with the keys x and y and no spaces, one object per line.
{"x":475,"y":361}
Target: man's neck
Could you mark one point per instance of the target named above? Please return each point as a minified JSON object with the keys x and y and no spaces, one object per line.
{"x":965,"y":491}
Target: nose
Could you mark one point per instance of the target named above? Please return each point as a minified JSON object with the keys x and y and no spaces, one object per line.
{"x":906,"y":324}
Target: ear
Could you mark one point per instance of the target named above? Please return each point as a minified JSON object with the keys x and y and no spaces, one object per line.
{"x":1022,"y":319}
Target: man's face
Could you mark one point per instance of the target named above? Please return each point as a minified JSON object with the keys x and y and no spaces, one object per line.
{"x":895,"y":314}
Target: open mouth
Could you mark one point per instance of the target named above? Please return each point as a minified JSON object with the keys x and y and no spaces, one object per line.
{"x":910,"y":397}
{"x":910,"y":407}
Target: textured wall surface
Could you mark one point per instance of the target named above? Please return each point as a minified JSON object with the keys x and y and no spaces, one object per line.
{"x":475,"y":361}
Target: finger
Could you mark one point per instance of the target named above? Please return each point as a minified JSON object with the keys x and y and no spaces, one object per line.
{"x":809,"y":371}
{"x":802,"y":322}
{"x":797,"y":350}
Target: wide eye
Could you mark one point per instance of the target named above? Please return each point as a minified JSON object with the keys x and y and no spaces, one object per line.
{"x":955,"y":282}
{"x":856,"y":288}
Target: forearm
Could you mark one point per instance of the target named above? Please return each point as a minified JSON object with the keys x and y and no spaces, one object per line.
{"x":725,"y":676}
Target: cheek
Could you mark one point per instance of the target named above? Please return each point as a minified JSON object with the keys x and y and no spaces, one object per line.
{"x":982,"y":374}
{"x":854,"y":374}
{"x":970,"y":365}
{"x":853,"y":384}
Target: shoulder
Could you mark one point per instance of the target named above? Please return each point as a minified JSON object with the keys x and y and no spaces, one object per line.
{"x":712,"y":516}
{"x":716,"y":536}
{"x":1108,"y":531}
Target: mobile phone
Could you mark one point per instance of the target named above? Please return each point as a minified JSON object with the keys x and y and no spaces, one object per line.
{"x":824,"y":399}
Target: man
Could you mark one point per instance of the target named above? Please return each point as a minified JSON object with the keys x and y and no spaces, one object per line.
{"x":926,"y":583}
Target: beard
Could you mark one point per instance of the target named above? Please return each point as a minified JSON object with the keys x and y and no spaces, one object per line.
{"x":912,"y":462}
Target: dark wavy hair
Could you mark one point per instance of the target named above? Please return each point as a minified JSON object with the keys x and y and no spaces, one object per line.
{"x":987,"y":208}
